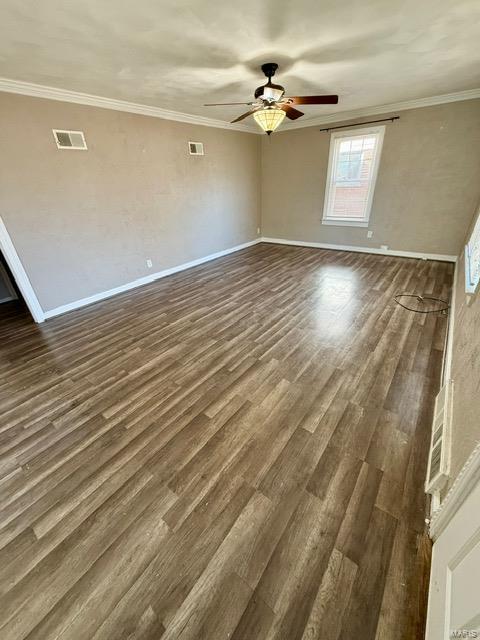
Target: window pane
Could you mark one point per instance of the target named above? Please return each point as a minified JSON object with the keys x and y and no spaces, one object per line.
{"x":348,"y":166}
{"x":351,"y":177}
{"x":357,"y":144}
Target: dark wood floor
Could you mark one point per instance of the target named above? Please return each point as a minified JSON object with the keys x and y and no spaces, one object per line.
{"x":237,"y":451}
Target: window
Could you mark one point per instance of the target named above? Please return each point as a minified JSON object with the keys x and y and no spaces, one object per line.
{"x":352,"y":171}
{"x":472,"y":259}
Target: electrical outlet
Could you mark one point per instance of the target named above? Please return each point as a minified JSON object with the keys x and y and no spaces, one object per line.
{"x":384,"y":247}
{"x":258,"y":231}
{"x":149,"y":263}
{"x":369,"y":233}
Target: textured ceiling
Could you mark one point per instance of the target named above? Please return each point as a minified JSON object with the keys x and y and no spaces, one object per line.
{"x":178,"y":55}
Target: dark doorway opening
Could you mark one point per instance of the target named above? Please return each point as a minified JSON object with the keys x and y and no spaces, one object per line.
{"x":12,"y":303}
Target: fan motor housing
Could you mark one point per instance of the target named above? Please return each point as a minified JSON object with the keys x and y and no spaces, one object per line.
{"x":259,"y":91}
{"x":269,"y":69}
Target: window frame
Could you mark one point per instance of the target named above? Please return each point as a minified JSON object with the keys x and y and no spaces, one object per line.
{"x":471,"y":289}
{"x":351,"y":133}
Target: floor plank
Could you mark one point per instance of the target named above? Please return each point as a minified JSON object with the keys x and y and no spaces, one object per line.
{"x":235,"y":451}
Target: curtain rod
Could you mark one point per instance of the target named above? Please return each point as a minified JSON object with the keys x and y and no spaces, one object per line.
{"x":358,"y":124}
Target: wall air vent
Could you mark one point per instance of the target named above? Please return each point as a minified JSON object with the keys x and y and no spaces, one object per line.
{"x":69,"y":139}
{"x":196,"y":148}
{"x":439,"y":458}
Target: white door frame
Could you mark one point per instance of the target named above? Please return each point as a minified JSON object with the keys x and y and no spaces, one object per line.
{"x":455,"y":529}
{"x":19,"y":273}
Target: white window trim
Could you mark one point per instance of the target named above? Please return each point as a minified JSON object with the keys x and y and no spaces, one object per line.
{"x":470,"y":289}
{"x":349,"y":133}
{"x":345,"y":222}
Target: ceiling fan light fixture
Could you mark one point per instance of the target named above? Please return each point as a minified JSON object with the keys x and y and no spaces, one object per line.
{"x":269,"y":118}
{"x":272,"y":93}
{"x":271,"y":106}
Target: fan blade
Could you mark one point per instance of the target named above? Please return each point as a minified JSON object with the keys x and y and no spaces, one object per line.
{"x":244,"y":115}
{"x":222,"y":104}
{"x":290,"y":112}
{"x":313,"y":100}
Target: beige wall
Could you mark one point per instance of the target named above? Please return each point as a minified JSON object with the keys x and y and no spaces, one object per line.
{"x":427,"y":187}
{"x":465,"y":372}
{"x":84,"y":222}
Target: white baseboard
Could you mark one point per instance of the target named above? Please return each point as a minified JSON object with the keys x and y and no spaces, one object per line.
{"x":76,"y":304}
{"x":7,"y":299}
{"x":383,"y":252}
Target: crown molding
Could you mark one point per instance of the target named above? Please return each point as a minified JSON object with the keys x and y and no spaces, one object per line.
{"x":470,"y":94}
{"x":64,"y":95}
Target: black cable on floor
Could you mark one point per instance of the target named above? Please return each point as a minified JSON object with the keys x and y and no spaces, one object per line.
{"x":421,"y":300}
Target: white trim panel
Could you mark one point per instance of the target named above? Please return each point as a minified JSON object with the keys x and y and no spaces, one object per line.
{"x":464,"y":483}
{"x":64,"y":95}
{"x":374,"y":250}
{"x":77,"y":304}
{"x":19,"y":273}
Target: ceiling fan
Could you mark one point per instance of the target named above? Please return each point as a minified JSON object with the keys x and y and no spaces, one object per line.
{"x":271,"y":105}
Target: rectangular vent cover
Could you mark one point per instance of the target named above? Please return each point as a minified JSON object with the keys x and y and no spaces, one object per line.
{"x":439,"y":458}
{"x":69,"y":139}
{"x":196,"y":148}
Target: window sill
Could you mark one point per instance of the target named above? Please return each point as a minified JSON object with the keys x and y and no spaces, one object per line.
{"x":345,"y":223}
{"x":470,"y":297}
{"x":471,"y":293}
